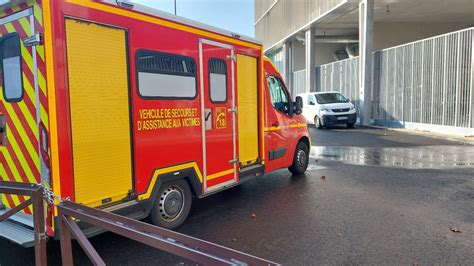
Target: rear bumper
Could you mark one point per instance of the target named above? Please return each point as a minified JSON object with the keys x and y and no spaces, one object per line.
{"x":339,"y":119}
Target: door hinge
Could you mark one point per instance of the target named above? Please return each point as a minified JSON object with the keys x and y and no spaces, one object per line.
{"x":34,"y":40}
{"x":232,"y":57}
{"x":232,"y":110}
{"x":236,"y":160}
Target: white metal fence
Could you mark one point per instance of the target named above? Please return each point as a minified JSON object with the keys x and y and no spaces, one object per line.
{"x":299,"y":82}
{"x":425,"y":82}
{"x":342,"y":76}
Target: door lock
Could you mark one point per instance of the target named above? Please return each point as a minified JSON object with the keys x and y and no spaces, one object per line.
{"x":34,"y":40}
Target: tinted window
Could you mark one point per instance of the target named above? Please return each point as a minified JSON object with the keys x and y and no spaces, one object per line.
{"x":324,"y":98}
{"x":278,"y":95}
{"x":163,"y":75}
{"x":218,"y":80}
{"x":12,"y":81}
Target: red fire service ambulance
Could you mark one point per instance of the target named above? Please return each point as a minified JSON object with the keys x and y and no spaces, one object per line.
{"x":134,"y":111}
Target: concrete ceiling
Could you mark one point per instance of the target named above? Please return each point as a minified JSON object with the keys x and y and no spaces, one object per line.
{"x":402,"y":11}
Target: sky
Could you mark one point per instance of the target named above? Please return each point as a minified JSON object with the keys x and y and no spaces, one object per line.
{"x":233,"y":15}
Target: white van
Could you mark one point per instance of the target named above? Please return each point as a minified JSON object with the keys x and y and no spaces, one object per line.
{"x":328,"y":108}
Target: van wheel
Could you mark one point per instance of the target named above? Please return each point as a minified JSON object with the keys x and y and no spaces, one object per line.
{"x":317,"y":122}
{"x":173,"y":204}
{"x":300,"y":160}
{"x":350,"y":125}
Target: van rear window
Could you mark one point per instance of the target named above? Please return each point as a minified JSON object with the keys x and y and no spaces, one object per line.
{"x":12,"y":80}
{"x":166,"y":76}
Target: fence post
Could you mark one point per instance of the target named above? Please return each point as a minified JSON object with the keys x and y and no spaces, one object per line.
{"x":458,"y":72}
{"x":2,"y":207}
{"x":65,"y":241}
{"x":39,"y":227}
{"x":471,"y":105}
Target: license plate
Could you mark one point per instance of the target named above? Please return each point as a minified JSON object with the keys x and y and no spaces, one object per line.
{"x":342,"y":118}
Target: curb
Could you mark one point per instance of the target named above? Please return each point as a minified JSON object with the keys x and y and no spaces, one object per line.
{"x":464,"y":140}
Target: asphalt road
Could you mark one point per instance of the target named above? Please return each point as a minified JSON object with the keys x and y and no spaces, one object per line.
{"x":386,"y":198}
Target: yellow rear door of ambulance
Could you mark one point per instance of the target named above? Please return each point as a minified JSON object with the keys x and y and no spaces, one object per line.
{"x":247,"y":109}
{"x":100,"y":117}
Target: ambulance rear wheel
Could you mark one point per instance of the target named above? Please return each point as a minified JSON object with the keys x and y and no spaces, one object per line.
{"x":300,"y":159}
{"x":173,"y":204}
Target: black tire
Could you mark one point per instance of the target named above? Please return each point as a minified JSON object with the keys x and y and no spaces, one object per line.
{"x":317,"y":123}
{"x":172,"y":205}
{"x":300,"y":159}
{"x":350,"y":125}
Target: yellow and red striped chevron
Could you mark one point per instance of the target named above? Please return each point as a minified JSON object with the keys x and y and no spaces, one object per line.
{"x":19,"y":159}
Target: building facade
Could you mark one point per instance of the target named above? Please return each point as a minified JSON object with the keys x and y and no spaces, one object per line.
{"x":376,"y":51}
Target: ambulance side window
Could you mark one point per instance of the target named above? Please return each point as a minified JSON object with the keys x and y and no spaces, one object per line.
{"x":217,"y":80}
{"x":166,"y":76}
{"x":12,"y":80}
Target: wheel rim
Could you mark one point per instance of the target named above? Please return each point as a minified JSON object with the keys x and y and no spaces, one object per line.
{"x":301,"y":158}
{"x":171,"y":203}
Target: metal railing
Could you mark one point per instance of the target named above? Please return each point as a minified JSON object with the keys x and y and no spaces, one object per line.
{"x":342,"y":76}
{"x":299,"y":82}
{"x":35,"y":194}
{"x":428,"y":81}
{"x":187,"y":247}
{"x":424,"y":82}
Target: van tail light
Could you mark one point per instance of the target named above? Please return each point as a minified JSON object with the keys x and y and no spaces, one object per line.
{"x":3,"y":130}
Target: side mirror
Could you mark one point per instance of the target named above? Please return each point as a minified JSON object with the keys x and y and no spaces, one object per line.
{"x":348,"y":100}
{"x":298,"y":106}
{"x":312,"y":103}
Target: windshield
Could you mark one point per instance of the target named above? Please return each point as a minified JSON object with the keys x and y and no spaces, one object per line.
{"x":324,"y":98}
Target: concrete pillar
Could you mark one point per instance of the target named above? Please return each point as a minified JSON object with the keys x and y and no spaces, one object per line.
{"x":310,"y":56}
{"x":287,"y":66}
{"x":366,"y":27}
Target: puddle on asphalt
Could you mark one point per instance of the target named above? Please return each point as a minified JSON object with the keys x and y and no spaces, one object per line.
{"x":312,"y":167}
{"x":423,"y":157}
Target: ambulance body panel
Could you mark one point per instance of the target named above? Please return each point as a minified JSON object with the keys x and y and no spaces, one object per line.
{"x":115,"y":101}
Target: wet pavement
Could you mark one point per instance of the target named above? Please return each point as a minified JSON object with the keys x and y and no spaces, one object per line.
{"x":424,"y":157}
{"x":370,"y":197}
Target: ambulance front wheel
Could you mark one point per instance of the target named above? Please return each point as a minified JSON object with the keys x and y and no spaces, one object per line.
{"x":172,"y":206}
{"x":300,"y":159}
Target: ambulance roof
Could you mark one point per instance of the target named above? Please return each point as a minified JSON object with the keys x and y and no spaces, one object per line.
{"x":185,"y":21}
